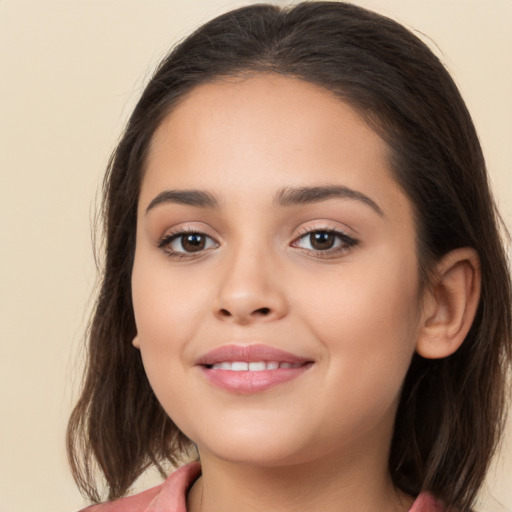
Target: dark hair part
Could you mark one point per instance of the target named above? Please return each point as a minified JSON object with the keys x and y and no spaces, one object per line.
{"x":451,"y":412}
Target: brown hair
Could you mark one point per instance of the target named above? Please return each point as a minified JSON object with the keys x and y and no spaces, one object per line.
{"x":451,"y":412}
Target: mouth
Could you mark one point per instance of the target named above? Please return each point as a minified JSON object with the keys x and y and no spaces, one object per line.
{"x":251,"y":368}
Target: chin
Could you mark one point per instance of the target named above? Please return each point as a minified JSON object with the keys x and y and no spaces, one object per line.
{"x":256,"y":446}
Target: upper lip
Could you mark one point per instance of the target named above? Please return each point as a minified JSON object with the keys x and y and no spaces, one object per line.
{"x":249,"y":354}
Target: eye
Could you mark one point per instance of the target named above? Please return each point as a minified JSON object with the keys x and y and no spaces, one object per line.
{"x":325,"y":240}
{"x":187,"y":243}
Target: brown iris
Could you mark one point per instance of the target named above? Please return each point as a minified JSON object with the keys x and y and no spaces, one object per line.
{"x":193,"y":242}
{"x":322,"y":240}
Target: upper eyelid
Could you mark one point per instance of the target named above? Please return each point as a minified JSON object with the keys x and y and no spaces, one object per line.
{"x":298,"y":232}
{"x":325,"y":226}
{"x":185,"y":229}
{"x":342,"y":225}
{"x":171,"y":236}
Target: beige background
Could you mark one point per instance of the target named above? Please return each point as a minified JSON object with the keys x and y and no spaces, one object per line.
{"x":70,"y":72}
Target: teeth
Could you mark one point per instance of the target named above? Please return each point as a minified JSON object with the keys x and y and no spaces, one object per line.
{"x":255,"y":366}
{"x":239,"y":366}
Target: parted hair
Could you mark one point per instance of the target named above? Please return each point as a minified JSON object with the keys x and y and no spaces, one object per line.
{"x":451,"y":412}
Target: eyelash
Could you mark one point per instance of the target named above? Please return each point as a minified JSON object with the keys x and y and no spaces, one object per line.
{"x":166,"y":241}
{"x":346,"y":242}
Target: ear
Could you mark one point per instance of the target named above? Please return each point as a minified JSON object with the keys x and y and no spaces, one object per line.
{"x":136,"y":342}
{"x":449,"y":304}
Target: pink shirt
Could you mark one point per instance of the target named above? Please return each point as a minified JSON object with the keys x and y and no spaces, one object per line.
{"x":170,"y":496}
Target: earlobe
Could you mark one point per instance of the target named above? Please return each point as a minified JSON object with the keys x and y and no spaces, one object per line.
{"x":450,"y":304}
{"x":136,"y":342}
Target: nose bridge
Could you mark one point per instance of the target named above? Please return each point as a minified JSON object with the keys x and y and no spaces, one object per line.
{"x":250,"y":289}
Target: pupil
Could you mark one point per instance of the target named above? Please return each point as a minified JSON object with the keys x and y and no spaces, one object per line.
{"x":193,"y":242}
{"x":322,"y":240}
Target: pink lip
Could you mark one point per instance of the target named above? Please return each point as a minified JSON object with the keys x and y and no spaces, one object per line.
{"x":247,"y":382}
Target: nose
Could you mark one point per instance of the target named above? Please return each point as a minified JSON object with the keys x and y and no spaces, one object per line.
{"x":250,"y":290}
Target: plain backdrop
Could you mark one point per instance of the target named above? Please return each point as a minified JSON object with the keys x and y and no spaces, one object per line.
{"x":70,"y":73}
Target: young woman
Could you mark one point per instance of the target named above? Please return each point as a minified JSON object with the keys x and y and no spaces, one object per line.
{"x":304,"y":281}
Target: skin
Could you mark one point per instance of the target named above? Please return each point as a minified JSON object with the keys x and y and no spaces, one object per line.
{"x":320,"y":441}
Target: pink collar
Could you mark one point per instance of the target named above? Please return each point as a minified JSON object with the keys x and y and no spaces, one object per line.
{"x":171,"y":496}
{"x":425,"y":502}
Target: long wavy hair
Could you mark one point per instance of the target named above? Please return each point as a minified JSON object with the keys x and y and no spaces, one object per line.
{"x":451,"y":412}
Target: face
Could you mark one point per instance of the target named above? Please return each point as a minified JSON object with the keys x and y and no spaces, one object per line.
{"x":275,"y":282}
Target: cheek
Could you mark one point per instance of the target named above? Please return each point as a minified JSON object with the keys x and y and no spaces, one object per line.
{"x":167,"y":308}
{"x":163,"y":322}
{"x":367,"y":318}
{"x":379,"y":292}
{"x":166,"y":316}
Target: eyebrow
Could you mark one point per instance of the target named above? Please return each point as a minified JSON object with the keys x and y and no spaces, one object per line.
{"x":197,"y":198}
{"x":306,"y":195}
{"x":290,"y":196}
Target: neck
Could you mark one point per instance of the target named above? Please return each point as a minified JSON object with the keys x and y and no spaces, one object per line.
{"x":332,"y":484}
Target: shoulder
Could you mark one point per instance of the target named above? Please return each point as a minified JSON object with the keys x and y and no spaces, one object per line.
{"x":136,"y":503}
{"x":169,"y":496}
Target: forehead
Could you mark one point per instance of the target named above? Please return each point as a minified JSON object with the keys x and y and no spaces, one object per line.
{"x":266,"y":132}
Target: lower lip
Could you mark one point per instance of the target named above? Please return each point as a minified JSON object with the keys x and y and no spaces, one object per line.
{"x":247,"y":382}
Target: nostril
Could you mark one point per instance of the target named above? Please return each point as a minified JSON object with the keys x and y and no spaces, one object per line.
{"x":244,"y":315}
{"x":262,"y":311}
